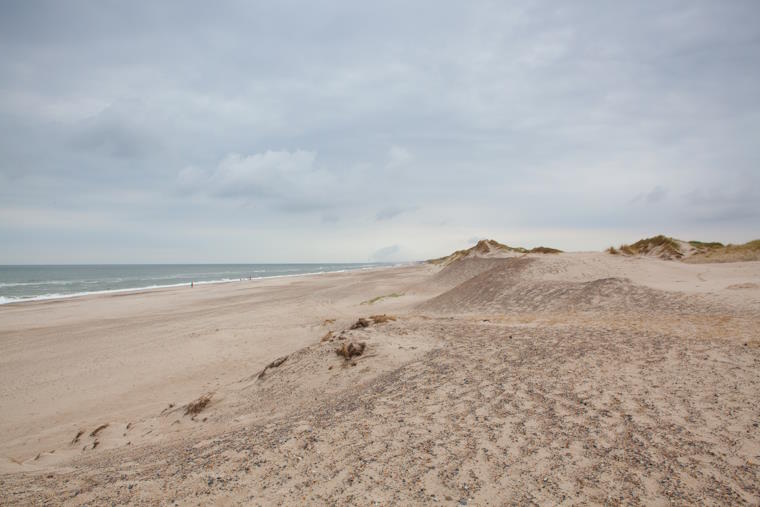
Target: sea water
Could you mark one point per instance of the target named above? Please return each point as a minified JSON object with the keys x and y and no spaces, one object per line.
{"x":25,"y":283}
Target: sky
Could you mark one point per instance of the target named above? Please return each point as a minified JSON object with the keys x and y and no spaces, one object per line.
{"x":348,"y":131}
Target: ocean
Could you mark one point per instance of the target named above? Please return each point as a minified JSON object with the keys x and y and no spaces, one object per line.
{"x":29,"y":283}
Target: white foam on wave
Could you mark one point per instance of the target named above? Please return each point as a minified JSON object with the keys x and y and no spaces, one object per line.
{"x":44,"y":297}
{"x":44,"y":282}
{"x":5,"y":300}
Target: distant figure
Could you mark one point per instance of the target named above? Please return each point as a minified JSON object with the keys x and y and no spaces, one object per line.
{"x":191,"y":285}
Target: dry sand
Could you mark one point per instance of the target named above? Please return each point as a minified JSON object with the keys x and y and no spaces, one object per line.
{"x":548,"y":379}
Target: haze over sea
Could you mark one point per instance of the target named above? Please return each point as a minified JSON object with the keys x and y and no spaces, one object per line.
{"x":25,"y":283}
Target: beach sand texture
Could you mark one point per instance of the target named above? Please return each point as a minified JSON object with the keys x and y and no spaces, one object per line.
{"x":573,"y":378}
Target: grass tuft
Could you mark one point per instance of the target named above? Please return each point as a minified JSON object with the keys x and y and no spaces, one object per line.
{"x":77,"y":437}
{"x":749,"y":251}
{"x":197,"y":406}
{"x":98,"y":429}
{"x":361,"y":323}
{"x":544,"y":250}
{"x":380,"y":298}
{"x":710,"y":245}
{"x":661,"y":246}
{"x":351,"y":349}
{"x":381,"y":319}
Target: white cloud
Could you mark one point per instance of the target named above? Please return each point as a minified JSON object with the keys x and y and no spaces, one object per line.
{"x":286,"y":179}
{"x":270,"y":172}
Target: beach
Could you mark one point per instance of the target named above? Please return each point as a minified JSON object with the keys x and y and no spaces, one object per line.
{"x":566,"y":378}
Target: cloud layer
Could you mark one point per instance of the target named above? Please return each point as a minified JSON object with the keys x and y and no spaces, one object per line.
{"x":182,"y":131}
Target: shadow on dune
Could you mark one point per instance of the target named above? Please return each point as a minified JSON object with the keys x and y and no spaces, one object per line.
{"x":503,"y":288}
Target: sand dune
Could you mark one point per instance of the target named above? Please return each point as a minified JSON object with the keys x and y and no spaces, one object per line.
{"x":696,"y":252}
{"x":461,"y":271}
{"x":549,"y":379}
{"x":480,"y":295}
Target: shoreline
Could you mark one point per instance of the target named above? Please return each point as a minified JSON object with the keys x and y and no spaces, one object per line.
{"x":125,"y":356}
{"x":6,"y":300}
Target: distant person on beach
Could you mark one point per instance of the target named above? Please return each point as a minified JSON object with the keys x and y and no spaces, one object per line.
{"x":191,"y":285}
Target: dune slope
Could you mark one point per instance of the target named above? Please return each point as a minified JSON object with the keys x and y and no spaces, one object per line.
{"x":561,"y":379}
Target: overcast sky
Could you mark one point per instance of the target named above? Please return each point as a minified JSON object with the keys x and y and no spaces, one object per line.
{"x":355,"y":131}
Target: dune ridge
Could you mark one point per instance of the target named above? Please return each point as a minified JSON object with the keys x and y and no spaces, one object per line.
{"x":668,"y":248}
{"x":490,"y":248}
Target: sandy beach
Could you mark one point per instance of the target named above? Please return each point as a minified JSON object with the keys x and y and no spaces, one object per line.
{"x":569,"y":379}
{"x":379,"y":253}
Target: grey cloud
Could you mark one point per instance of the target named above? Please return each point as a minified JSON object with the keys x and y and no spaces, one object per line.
{"x":656,"y":195}
{"x":723,"y":205}
{"x":290,"y":179}
{"x":390,"y":212}
{"x":398,"y":156}
{"x":265,"y":118}
{"x":115,"y":135}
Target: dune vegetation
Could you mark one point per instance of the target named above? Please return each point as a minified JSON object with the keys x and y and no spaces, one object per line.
{"x":491,"y":248}
{"x":668,"y":248}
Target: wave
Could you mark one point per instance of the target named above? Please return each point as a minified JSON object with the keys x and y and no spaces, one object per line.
{"x":5,"y":300}
{"x":45,"y":282}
